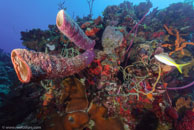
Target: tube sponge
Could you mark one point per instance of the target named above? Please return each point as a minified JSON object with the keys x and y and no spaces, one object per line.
{"x":69,"y":28}
{"x":37,"y":65}
{"x":32,"y":65}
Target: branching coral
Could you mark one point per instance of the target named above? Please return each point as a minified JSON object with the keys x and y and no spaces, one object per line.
{"x":184,"y":102}
{"x":179,"y":42}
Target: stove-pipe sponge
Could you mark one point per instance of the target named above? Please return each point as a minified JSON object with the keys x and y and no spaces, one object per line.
{"x":37,"y":65}
{"x":31,"y":65}
{"x":69,"y":28}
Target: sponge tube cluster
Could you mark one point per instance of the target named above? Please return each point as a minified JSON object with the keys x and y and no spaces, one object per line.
{"x":30,"y":65}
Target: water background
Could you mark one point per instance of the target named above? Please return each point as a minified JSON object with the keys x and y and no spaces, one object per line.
{"x":22,"y":15}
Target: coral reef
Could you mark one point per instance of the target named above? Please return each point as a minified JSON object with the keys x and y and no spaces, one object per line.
{"x":102,"y":74}
{"x":179,"y":19}
{"x":37,"y":39}
{"x":77,"y":114}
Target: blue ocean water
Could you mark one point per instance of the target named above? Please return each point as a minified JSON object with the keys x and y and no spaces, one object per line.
{"x":17,"y":16}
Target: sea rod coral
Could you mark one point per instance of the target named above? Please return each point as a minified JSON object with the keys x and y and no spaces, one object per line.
{"x":37,"y":65}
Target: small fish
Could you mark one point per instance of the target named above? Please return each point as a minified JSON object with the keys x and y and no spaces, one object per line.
{"x":164,"y":58}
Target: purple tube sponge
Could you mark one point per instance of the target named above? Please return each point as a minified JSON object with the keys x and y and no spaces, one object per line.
{"x":69,"y":28}
{"x":31,"y":65}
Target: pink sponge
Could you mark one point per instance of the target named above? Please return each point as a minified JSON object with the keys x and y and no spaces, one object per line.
{"x":69,"y":28}
{"x":37,"y":65}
